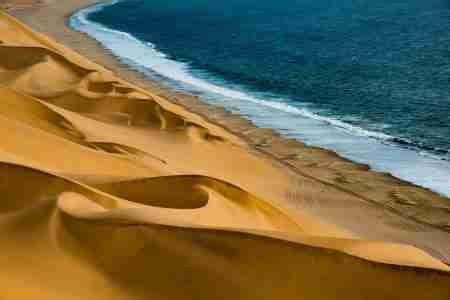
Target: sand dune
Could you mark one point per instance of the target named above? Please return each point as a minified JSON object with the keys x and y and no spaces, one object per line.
{"x":111,"y":192}
{"x":119,"y":248}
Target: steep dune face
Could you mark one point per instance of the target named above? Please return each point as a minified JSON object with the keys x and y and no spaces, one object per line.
{"x":59,"y":235}
{"x":40,"y":137}
{"x":110,"y":192}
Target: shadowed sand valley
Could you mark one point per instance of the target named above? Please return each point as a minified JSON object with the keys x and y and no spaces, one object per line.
{"x":109,"y":191}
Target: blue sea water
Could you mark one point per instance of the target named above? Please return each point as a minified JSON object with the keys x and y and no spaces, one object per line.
{"x":368,"y":79}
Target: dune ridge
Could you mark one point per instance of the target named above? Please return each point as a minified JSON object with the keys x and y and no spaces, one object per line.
{"x":112,"y":192}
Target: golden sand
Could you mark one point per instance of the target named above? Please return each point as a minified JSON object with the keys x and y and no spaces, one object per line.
{"x":111,"y":191}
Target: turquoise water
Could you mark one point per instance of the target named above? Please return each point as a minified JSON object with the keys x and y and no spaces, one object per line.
{"x":369,"y":79}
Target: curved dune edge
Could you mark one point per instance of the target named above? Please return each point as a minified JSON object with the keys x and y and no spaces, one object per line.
{"x":130,"y":251}
{"x":107,"y":194}
{"x":248,"y":213}
{"x":81,"y":77}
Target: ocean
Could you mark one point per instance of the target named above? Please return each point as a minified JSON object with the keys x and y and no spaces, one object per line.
{"x":367,"y":79}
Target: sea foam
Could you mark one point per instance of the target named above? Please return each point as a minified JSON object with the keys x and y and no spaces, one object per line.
{"x":381,"y":151}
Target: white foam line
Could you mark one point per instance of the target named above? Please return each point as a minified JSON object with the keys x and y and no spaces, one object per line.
{"x":144,"y":54}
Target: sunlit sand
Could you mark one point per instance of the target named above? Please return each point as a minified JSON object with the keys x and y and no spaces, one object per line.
{"x":111,"y":192}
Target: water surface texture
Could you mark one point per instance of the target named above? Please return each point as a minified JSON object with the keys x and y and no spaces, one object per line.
{"x":369,"y":79}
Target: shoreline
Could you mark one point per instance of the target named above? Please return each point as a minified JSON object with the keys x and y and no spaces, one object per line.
{"x":376,"y":149}
{"x":383,"y":191}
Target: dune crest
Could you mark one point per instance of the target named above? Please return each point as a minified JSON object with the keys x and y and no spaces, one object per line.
{"x":111,"y":192}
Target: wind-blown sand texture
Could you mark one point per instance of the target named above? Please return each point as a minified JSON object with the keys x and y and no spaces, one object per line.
{"x":110,"y":191}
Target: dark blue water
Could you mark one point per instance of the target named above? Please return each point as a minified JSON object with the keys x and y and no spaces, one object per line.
{"x":386,"y":63}
{"x":379,"y":69}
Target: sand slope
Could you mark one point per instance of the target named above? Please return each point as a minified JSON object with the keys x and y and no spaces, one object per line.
{"x":111,"y":192}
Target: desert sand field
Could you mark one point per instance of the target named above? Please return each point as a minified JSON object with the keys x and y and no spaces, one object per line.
{"x":110,"y":191}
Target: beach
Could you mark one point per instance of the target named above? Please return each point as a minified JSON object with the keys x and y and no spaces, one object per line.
{"x":119,"y":188}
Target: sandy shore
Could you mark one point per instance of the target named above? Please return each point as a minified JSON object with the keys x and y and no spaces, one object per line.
{"x":127,"y":190}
